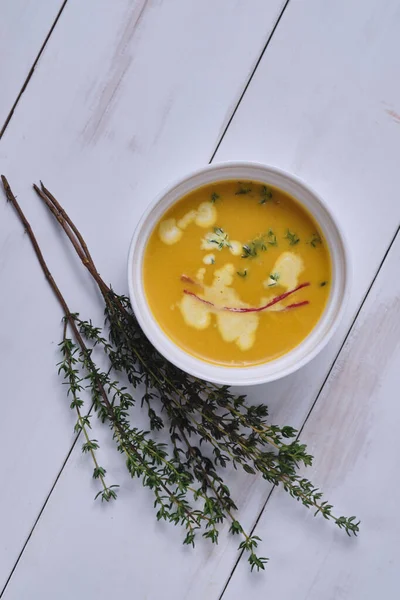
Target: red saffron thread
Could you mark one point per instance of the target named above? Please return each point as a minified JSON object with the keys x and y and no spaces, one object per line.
{"x":198,"y":297}
{"x":296,"y":305}
{"x":187,"y":279}
{"x":261,"y":308}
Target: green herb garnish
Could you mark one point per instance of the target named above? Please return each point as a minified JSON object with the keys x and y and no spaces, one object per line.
{"x":242,"y":273}
{"x":292,"y":237}
{"x":275,"y":278}
{"x":249,"y":251}
{"x":215,"y":197}
{"x":323,"y":284}
{"x":315,"y":240}
{"x":271,"y":238}
{"x":244,"y":188}
{"x":220,"y":238}
{"x":259,"y":244}
{"x":266,"y":194}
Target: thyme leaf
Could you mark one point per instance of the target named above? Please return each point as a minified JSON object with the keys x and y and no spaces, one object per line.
{"x":292,"y":237}
{"x":266,"y":194}
{"x":244,"y":188}
{"x":252,"y":248}
{"x":275,"y":278}
{"x":315,"y":240}
{"x":219,"y":237}
{"x":271,"y":238}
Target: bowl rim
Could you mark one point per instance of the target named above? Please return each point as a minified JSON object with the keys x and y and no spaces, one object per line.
{"x":225,"y":374}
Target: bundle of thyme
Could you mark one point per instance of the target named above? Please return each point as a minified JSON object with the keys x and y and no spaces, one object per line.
{"x":209,"y":427}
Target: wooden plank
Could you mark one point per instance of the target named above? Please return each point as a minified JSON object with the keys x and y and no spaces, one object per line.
{"x":324,"y":111}
{"x":323,"y":105}
{"x":353,"y":432}
{"x":24,"y":26}
{"x":126,"y":96}
{"x":331,"y":119}
{"x":351,"y":192}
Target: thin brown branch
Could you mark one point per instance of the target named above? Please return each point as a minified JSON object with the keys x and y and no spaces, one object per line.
{"x":70,"y":317}
{"x":74,"y":236}
{"x":12,"y":199}
{"x":72,"y":225}
{"x":71,"y":231}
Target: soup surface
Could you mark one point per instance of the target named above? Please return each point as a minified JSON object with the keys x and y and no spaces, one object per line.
{"x":237,"y":273}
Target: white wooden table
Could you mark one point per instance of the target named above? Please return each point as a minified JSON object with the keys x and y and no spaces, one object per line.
{"x":107,"y":101}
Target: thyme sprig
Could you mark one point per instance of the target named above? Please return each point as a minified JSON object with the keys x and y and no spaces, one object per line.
{"x":244,"y":187}
{"x":209,"y":427}
{"x":315,"y":240}
{"x":292,"y":237}
{"x":219,"y":237}
{"x":271,"y":238}
{"x":275,"y":278}
{"x":252,"y":248}
{"x":68,"y":366}
{"x":266,"y":194}
{"x":214,"y":197}
{"x":259,"y":244}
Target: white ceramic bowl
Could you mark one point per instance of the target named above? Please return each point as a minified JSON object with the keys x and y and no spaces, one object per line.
{"x":318,"y":337}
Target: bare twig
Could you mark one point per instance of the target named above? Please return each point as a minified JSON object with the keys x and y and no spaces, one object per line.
{"x":126,"y":445}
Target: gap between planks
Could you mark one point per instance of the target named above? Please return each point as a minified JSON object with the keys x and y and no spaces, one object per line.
{"x":27,"y":80}
{"x":245,"y":88}
{"x":248,"y":82}
{"x":31,"y":71}
{"x":40,"y":514}
{"x":397,"y":233}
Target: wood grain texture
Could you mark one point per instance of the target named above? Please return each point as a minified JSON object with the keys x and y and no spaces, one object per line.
{"x":334,"y":82}
{"x":24,"y":25}
{"x":127,"y":95}
{"x":353,"y":432}
{"x":333,"y":79}
{"x":314,"y":107}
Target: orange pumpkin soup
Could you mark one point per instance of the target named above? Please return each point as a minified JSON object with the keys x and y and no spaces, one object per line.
{"x":237,"y":273}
